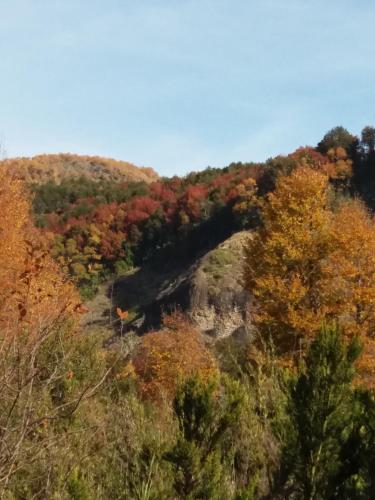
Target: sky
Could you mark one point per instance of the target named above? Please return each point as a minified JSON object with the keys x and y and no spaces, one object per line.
{"x":179,"y":85}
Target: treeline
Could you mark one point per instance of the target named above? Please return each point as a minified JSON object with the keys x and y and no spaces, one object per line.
{"x":97,"y":229}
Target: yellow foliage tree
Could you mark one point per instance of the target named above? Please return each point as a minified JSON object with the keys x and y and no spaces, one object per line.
{"x":307,"y":265}
{"x":347,"y":286}
{"x":283,"y":257}
{"x":246,"y":192}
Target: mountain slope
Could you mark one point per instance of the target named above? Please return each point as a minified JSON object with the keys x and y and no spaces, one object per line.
{"x":57,"y":167}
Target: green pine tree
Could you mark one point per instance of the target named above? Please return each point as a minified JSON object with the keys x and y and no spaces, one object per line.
{"x":355,"y":478}
{"x":321,"y":417}
{"x":205,"y":413}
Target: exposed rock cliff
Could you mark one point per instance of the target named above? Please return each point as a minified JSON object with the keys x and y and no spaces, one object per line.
{"x":218,"y":303}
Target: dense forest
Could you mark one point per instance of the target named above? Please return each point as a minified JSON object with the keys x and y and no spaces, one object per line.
{"x":108,"y":227}
{"x":284,"y":411}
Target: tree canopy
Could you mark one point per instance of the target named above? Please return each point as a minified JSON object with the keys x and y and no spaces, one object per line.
{"x":308,"y":263}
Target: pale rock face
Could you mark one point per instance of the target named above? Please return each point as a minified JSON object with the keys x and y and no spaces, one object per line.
{"x":219,"y":305}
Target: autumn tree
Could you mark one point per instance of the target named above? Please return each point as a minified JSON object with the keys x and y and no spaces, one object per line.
{"x":335,"y":163}
{"x":33,"y":292}
{"x":246,"y":202}
{"x":339,"y":167}
{"x":346,"y":286}
{"x":283,"y":258}
{"x":307,"y":263}
{"x":167,"y":357}
{"x":39,"y":343}
{"x":308,"y":157}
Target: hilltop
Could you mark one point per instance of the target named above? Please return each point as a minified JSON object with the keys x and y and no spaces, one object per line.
{"x":58,"y":167}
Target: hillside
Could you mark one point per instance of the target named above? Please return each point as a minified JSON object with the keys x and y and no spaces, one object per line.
{"x":222,"y":311}
{"x":100,"y":226}
{"x":103,"y":228}
{"x":57,"y":167}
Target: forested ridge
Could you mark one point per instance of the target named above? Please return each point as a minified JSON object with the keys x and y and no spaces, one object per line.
{"x":282,"y":408}
{"x":99,"y":228}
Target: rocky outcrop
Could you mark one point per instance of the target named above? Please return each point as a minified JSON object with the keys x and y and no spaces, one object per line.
{"x":218,"y":303}
{"x":209,"y":289}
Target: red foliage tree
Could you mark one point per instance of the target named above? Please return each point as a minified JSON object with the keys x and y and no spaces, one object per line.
{"x":140,"y":208}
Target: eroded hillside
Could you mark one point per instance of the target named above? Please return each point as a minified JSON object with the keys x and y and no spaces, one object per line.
{"x":208,"y":288}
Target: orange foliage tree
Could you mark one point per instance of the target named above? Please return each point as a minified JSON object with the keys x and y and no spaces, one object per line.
{"x":336,"y":163}
{"x":339,"y":167}
{"x":40,"y":361}
{"x":307,"y":264}
{"x":283,"y":257}
{"x":167,"y":357}
{"x":33,"y":293}
{"x":347,"y":286}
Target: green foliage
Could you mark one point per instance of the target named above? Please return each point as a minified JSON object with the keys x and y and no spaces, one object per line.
{"x":223,"y":439}
{"x":57,"y":431}
{"x":355,"y":478}
{"x":232,"y":354}
{"x":57,"y":197}
{"x":368,"y":140}
{"x":275,"y":167}
{"x":77,"y":487}
{"x":335,"y":138}
{"x":88,"y":291}
{"x":205,"y":412}
{"x":323,"y":415}
{"x":217,"y":261}
{"x":364,"y":167}
{"x":122,"y":266}
{"x":129,"y":461}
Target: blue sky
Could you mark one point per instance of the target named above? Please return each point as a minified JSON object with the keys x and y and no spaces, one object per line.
{"x":183,"y":84}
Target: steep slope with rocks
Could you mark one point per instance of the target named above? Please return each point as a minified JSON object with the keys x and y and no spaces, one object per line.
{"x":209,"y":289}
{"x":218,"y":303}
